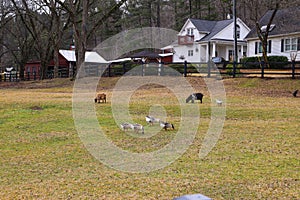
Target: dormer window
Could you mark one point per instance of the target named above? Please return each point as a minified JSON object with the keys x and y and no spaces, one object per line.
{"x":264,"y":28}
{"x":190,"y":31}
{"x":238,"y":31}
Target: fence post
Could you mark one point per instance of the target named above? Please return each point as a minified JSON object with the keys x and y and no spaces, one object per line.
{"x":185,"y":68}
{"x":109,"y":70}
{"x":124,"y":68}
{"x":209,"y":68}
{"x":262,"y":69}
{"x":143,"y":69}
{"x":28,"y":76}
{"x":234,"y":69}
{"x":293,"y":69}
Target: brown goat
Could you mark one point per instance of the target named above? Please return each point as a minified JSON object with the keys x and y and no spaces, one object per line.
{"x":100,"y":97}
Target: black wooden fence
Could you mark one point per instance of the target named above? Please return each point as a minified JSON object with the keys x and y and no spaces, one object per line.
{"x":255,"y":69}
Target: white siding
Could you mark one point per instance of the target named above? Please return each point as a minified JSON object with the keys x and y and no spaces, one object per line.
{"x":182,"y":50}
{"x":202,"y":54}
{"x":189,"y":24}
{"x":275,"y":51}
{"x":227,"y":33}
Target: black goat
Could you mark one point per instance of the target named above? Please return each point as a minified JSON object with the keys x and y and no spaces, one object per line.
{"x":194,"y":96}
{"x":295,"y":93}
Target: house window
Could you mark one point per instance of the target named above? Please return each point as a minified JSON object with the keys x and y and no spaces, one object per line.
{"x":291,"y":44}
{"x":190,"y":52}
{"x":238,"y":31}
{"x":190,"y":31}
{"x":259,"y":49}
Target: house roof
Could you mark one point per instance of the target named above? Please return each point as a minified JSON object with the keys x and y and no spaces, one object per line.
{"x":145,"y":54}
{"x":90,"y":56}
{"x":286,"y":21}
{"x":211,"y":27}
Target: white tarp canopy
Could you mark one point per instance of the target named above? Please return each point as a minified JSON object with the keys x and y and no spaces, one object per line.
{"x":10,"y":69}
{"x":120,"y":60}
{"x":90,"y":56}
{"x":165,"y":54}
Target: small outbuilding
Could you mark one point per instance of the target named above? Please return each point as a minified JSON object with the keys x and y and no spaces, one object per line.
{"x":152,"y":57}
{"x":67,"y":65}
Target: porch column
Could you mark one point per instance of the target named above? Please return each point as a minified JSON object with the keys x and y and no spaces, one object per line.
{"x":214,"y":50}
{"x":207,"y":52}
{"x":242,"y":51}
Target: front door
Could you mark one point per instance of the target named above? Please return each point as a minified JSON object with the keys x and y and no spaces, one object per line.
{"x":230,"y":55}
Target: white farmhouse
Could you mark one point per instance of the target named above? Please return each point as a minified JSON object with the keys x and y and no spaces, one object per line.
{"x":284,"y":35}
{"x":200,"y":40}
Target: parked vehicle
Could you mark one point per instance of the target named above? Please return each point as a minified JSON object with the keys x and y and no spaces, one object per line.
{"x":220,"y":62}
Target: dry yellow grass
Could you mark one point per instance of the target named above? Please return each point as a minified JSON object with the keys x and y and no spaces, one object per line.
{"x":256,"y":157}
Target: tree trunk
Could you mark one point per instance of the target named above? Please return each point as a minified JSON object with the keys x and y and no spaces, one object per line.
{"x":158,"y":13}
{"x":83,"y":36}
{"x":263,"y":36}
{"x":56,"y":61}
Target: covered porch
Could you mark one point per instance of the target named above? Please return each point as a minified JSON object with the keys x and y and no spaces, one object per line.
{"x":221,"y":48}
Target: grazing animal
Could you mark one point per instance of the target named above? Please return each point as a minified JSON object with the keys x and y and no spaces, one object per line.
{"x":125,"y":126}
{"x":151,"y":120}
{"x":137,"y":127}
{"x":194,"y":96}
{"x":100,"y":97}
{"x":219,"y":102}
{"x":166,"y":125}
{"x":295,"y":93}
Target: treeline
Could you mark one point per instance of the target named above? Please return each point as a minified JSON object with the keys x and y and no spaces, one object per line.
{"x":37,"y":29}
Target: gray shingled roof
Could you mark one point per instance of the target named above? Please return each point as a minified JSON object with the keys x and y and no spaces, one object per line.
{"x":286,"y":21}
{"x":213,"y":27}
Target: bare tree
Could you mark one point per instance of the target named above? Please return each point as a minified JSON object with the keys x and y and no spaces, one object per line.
{"x":59,"y":25}
{"x":263,"y":33}
{"x":18,"y":43}
{"x":33,"y":15}
{"x":79,"y":14}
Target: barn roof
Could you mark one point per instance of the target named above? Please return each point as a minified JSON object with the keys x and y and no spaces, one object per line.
{"x":90,"y":56}
{"x":145,"y":54}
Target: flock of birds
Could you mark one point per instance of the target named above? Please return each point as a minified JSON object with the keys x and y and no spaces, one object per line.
{"x":136,"y":127}
{"x":150,"y":120}
{"x":164,"y":125}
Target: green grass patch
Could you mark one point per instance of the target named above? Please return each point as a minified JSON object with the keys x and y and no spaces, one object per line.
{"x":256,"y":156}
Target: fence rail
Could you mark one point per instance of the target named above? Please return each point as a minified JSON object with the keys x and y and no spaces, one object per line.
{"x":259,"y":69}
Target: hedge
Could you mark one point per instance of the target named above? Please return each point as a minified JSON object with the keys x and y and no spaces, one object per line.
{"x":275,"y":62}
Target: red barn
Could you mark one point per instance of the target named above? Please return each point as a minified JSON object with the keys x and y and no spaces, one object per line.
{"x":33,"y":69}
{"x":67,"y":65}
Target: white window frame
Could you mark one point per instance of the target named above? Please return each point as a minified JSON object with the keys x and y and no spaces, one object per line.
{"x":259,"y":47}
{"x":290,"y":44}
{"x":190,"y":53}
{"x":190,"y":31}
{"x":238,"y":31}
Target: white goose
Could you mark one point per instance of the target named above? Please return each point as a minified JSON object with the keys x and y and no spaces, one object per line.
{"x":166,"y":125}
{"x":219,"y":102}
{"x":137,"y":127}
{"x":151,"y":120}
{"x":125,"y":126}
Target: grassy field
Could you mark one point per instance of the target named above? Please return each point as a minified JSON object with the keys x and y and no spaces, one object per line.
{"x":256,"y":157}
